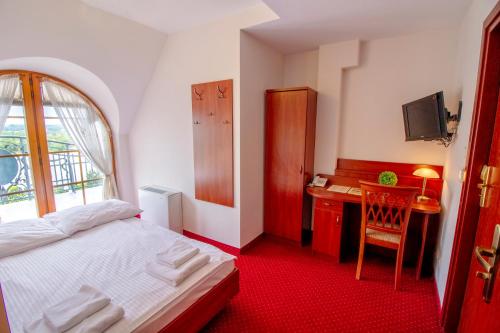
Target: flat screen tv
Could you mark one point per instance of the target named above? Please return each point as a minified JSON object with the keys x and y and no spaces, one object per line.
{"x":425,"y":119}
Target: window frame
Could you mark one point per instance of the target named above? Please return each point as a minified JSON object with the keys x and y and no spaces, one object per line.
{"x":37,"y":137}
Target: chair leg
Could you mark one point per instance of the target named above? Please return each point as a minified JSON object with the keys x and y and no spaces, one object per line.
{"x":360,"y":258}
{"x":399,"y":267}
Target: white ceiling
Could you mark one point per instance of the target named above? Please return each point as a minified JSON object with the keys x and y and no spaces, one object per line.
{"x":171,"y":16}
{"x":306,"y":24}
{"x":303,"y":24}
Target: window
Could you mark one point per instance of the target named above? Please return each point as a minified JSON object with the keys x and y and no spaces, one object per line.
{"x":55,"y":147}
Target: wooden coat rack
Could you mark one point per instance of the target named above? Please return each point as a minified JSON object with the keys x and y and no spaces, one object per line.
{"x":213,"y":141}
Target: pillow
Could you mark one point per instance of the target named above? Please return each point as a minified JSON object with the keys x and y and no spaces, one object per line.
{"x":88,"y":216}
{"x":24,"y":235}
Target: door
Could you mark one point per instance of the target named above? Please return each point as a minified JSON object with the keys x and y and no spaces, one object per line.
{"x":284,"y":163}
{"x":482,"y":298}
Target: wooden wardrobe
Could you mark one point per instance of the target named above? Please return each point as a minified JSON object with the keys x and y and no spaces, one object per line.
{"x":289,"y":161}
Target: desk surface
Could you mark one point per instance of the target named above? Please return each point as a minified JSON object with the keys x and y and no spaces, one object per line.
{"x":430,"y":206}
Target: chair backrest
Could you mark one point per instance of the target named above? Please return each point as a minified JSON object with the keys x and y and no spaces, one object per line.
{"x":386,"y":208}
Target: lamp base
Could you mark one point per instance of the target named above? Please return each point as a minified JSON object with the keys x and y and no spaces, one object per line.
{"x":422,"y":198}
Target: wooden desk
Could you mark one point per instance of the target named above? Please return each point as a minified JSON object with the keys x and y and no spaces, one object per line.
{"x":328,"y":219}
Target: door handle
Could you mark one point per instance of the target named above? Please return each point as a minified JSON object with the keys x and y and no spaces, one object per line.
{"x":490,"y":177}
{"x":488,"y":259}
{"x":480,"y":254}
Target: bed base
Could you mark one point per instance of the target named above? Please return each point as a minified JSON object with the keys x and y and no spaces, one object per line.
{"x":191,"y":320}
{"x":4,"y":323}
{"x":194,"y":318}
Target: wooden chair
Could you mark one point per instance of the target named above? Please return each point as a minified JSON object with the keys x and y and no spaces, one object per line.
{"x":384,"y":221}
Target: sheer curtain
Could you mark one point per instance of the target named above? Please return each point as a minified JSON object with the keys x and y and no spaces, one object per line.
{"x":82,"y":122}
{"x":8,"y":88}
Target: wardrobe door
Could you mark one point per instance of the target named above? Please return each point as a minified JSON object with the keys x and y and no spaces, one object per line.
{"x":284,"y":163}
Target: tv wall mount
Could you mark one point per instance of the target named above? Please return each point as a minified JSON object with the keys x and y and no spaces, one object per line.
{"x":452,"y":122}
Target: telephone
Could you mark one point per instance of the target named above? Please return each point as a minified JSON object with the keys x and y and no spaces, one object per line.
{"x":318,"y":181}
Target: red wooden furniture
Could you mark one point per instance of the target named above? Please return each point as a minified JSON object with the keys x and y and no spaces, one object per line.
{"x":335,"y":228}
{"x":289,"y":161}
{"x":213,"y":141}
{"x":4,"y":323}
{"x":384,"y":220}
{"x":328,"y":227}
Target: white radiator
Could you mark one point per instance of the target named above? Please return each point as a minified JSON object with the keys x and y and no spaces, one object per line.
{"x":162,"y":206}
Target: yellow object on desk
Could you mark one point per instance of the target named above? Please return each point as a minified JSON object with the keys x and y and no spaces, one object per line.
{"x":425,"y":173}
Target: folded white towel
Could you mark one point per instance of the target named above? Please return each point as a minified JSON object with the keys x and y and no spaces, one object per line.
{"x":101,"y":320}
{"x":177,"y":254}
{"x":174,"y":277}
{"x":38,"y":326}
{"x":71,"y":311}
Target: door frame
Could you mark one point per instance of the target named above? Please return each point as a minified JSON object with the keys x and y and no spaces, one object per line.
{"x":485,"y":108}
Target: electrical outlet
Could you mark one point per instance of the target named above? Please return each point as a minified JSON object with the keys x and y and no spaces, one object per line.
{"x":462,"y":174}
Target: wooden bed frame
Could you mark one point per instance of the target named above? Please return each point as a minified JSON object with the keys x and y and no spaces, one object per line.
{"x":192,"y":319}
{"x":4,"y":323}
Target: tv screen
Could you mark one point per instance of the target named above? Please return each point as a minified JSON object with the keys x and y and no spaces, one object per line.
{"x":425,"y":119}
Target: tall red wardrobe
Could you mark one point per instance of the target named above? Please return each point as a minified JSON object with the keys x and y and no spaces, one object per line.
{"x":289,"y":161}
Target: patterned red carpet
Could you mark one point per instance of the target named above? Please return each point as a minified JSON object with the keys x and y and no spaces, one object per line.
{"x":286,"y":289}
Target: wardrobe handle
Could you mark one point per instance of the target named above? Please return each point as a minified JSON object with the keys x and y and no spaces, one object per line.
{"x":338,"y":220}
{"x":301,"y":169}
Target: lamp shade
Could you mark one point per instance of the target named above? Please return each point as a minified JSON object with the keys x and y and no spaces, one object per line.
{"x":426,"y":173}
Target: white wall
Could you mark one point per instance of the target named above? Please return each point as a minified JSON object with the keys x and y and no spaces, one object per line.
{"x":394,"y":71}
{"x":118,"y":55}
{"x":362,"y":86}
{"x":162,"y":138}
{"x":261,"y":68}
{"x":334,"y":59}
{"x":455,"y":160}
{"x":301,"y":69}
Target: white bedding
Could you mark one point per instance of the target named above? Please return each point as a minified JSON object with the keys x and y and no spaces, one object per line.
{"x":23,"y":235}
{"x":110,"y":257}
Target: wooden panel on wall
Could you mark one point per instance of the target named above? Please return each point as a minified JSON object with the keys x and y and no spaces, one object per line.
{"x":213,"y":141}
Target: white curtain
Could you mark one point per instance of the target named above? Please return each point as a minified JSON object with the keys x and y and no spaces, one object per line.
{"x":82,"y":122}
{"x":8,"y":87}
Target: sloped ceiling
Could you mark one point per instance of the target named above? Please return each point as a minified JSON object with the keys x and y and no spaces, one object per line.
{"x":303,"y":24}
{"x":170,"y":16}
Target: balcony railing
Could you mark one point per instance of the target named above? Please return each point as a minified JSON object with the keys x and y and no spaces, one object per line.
{"x":70,"y":170}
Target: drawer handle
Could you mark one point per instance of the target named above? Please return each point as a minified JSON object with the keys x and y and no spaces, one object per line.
{"x":326,"y":203}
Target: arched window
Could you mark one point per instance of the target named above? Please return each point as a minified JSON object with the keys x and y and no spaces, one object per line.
{"x":56,"y":147}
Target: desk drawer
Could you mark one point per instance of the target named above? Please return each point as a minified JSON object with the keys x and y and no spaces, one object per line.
{"x":329,"y":204}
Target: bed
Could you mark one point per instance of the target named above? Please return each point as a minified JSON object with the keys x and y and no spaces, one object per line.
{"x":111,"y":257}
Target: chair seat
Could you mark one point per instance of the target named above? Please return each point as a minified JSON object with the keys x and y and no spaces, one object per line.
{"x":383,"y":236}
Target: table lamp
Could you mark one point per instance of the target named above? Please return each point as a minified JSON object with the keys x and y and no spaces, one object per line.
{"x":425,"y":173}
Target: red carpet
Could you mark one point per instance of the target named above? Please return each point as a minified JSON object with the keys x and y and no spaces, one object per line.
{"x":286,"y":289}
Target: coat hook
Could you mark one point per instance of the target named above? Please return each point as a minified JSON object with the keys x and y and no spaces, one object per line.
{"x":196,"y":122}
{"x":226,"y":122}
{"x":220,"y":92}
{"x":198,"y":94}
{"x":211,"y":114}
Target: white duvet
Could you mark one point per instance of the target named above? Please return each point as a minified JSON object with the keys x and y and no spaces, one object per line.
{"x":110,"y":257}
